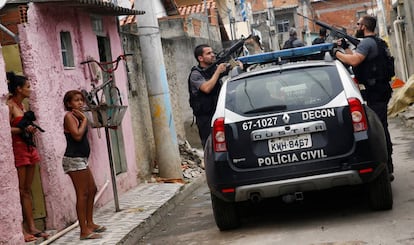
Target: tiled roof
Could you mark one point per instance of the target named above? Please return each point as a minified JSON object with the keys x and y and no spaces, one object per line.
{"x":196,"y":8}
{"x":104,"y":7}
{"x":182,"y":10}
{"x":169,"y":5}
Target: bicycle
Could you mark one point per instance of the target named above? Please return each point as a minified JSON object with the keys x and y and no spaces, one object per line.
{"x":104,"y":114}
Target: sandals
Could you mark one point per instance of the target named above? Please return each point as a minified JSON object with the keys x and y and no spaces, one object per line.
{"x":91,"y":236}
{"x":41,"y":234}
{"x":100,"y":229}
{"x":29,"y":238}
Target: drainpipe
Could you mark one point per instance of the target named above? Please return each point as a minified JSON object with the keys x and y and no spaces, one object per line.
{"x":3,"y":28}
{"x":8,"y":32}
{"x":398,"y":27}
{"x":166,"y":146}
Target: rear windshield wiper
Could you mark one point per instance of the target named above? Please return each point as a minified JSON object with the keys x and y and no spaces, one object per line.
{"x":267,"y":109}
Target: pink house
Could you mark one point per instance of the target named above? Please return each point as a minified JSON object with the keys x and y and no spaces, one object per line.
{"x":47,"y":42}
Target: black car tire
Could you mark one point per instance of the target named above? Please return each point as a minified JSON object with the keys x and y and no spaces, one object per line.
{"x":380,"y":192}
{"x":225,"y":213}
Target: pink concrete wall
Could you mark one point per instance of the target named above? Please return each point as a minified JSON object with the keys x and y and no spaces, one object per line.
{"x":40,"y":50}
{"x":10,"y":211}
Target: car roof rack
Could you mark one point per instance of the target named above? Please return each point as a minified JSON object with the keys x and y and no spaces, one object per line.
{"x":292,"y":54}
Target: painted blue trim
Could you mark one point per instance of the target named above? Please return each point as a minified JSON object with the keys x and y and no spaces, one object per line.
{"x":167,"y":104}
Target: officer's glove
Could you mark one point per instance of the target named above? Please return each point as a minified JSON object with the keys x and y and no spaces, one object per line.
{"x":334,"y":50}
{"x":344,"y":44}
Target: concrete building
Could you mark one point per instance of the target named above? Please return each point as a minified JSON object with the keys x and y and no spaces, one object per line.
{"x":180,"y":33}
{"x":401,"y":32}
{"x":46,"y":41}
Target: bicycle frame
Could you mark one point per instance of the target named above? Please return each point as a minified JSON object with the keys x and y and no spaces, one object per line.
{"x":92,"y":97}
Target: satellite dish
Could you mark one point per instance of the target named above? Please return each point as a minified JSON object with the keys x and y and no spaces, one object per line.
{"x":2,"y":3}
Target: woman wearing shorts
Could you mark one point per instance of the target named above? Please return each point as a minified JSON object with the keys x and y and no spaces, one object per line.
{"x":75,"y":163}
{"x":25,"y":153}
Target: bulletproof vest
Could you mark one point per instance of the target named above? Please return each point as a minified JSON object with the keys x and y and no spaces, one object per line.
{"x":288,"y":44}
{"x":200,"y":102}
{"x":375,"y":69}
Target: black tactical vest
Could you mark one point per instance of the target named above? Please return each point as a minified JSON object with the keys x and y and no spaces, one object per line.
{"x":203,"y":104}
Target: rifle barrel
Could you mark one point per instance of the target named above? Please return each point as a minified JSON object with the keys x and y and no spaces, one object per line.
{"x":351,"y":39}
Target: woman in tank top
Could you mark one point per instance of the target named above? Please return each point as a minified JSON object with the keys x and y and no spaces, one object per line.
{"x":75,"y":163}
{"x":25,"y":153}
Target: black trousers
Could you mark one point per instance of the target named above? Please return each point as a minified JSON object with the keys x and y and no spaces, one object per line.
{"x":204,"y":127}
{"x":380,"y":108}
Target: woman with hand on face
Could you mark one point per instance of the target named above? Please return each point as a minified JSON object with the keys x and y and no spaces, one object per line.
{"x":75,"y":163}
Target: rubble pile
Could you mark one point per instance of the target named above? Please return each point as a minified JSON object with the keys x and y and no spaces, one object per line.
{"x":192,"y":165}
{"x":191,"y":161}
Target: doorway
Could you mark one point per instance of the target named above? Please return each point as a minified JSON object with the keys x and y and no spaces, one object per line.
{"x":11,"y":56}
{"x":116,"y":137}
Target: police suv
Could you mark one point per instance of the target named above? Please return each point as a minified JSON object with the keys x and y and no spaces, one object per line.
{"x":284,"y":128}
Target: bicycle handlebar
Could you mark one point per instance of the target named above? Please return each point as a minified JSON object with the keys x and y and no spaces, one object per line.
{"x":103,"y":64}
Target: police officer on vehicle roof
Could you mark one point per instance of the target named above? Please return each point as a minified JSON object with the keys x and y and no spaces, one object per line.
{"x":321,"y":38}
{"x":204,"y":87}
{"x":293,"y":41}
{"x":370,"y":68}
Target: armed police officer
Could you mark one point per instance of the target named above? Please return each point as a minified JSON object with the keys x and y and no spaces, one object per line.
{"x":293,"y":41}
{"x":321,"y":38}
{"x":204,"y":86}
{"x":370,"y":69}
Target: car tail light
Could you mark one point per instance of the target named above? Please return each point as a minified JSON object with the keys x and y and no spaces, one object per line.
{"x":219,"y":138}
{"x":359,"y":119}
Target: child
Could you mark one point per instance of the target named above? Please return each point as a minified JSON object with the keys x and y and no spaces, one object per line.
{"x":75,"y":163}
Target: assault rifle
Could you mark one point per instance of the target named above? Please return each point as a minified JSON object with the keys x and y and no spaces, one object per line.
{"x":27,"y":120}
{"x":225,"y":55}
{"x":334,"y":30}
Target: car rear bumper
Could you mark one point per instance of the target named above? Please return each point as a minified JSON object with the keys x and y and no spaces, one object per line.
{"x":309,"y":183}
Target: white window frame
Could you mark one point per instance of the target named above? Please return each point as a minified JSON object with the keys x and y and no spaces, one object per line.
{"x":283,"y":23}
{"x":66,"y":50}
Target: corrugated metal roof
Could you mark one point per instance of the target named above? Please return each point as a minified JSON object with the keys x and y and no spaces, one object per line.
{"x":102,"y":7}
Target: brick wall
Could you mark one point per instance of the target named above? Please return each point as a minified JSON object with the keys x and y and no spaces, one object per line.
{"x":341,"y":13}
{"x":10,"y":19}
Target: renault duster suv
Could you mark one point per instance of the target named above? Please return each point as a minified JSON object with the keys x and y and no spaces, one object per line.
{"x":286,"y":128}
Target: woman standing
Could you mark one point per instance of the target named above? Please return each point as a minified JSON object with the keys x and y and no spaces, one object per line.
{"x":75,"y":163}
{"x":25,"y":153}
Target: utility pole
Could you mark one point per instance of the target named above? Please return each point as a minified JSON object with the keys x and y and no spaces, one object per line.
{"x":272,"y":28}
{"x":382,"y":22}
{"x":207,"y":21}
{"x":167,"y":153}
{"x":307,"y":38}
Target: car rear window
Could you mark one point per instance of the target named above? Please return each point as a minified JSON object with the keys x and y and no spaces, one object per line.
{"x":280,"y":91}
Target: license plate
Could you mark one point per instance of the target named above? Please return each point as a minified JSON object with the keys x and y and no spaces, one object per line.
{"x":289,"y":143}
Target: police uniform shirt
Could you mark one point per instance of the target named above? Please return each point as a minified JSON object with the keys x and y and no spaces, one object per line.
{"x":368,"y":48}
{"x":196,"y":80}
